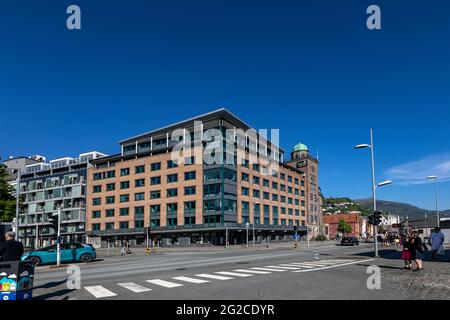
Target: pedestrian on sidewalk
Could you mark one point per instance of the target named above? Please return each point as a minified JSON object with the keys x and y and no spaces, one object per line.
{"x":406,"y":252}
{"x":417,"y":249}
{"x":11,"y":250}
{"x":437,"y":244}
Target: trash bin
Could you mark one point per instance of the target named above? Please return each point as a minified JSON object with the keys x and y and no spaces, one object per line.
{"x":16,"y":280}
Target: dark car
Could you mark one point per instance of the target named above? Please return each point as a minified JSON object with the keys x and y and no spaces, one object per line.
{"x":350,"y":241}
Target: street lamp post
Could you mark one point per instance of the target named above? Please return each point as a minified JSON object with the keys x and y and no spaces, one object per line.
{"x":247,"y":226}
{"x":17,"y":205}
{"x":374,"y":185}
{"x":58,"y":240}
{"x":437,"y":199}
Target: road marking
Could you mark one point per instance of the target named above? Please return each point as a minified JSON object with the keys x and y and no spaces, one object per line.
{"x":100,"y":292}
{"x":284,"y":267}
{"x":302,"y":266}
{"x":252,"y":271}
{"x":269,"y":269}
{"x":314,"y":265}
{"x":334,"y":266}
{"x":234,"y":274}
{"x":134,"y":287}
{"x":214,"y":277}
{"x":190,"y":280}
{"x":165,"y":284}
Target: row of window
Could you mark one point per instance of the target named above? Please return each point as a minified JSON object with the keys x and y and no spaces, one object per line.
{"x":266,"y":209}
{"x":191,"y":175}
{"x":155,"y":210}
{"x":140,"y":196}
{"x":266,"y":183}
{"x":140,"y":169}
{"x":275,"y":197}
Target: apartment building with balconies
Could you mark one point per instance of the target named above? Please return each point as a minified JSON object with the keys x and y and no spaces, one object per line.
{"x":46,"y":188}
{"x":189,"y":198}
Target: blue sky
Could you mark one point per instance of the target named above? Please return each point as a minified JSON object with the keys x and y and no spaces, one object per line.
{"x":309,"y":68}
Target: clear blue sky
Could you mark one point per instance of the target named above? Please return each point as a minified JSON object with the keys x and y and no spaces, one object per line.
{"x":310,"y":68}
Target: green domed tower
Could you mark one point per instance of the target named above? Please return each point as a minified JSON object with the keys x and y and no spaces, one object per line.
{"x":300,"y":151}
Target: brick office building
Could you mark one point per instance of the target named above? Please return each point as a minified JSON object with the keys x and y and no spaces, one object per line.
{"x":189,"y":199}
{"x":353,"y":219}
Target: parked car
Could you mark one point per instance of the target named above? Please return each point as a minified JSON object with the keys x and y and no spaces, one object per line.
{"x":70,"y":252}
{"x":349,"y":241}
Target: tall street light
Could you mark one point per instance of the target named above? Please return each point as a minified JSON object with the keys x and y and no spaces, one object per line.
{"x":374,"y":185}
{"x":437,"y":199}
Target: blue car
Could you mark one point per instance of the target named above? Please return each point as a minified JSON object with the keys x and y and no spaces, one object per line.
{"x":70,"y":252}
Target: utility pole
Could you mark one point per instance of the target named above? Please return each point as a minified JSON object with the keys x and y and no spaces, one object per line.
{"x":17,"y":205}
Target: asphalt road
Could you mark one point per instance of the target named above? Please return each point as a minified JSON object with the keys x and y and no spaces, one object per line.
{"x":326,"y":273}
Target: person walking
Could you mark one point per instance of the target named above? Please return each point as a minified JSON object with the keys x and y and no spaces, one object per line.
{"x":11,"y":250}
{"x":417,"y":249}
{"x":437,"y":239}
{"x":406,"y":252}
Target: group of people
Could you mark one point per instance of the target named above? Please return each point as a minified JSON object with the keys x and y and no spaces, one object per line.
{"x":414,"y":248}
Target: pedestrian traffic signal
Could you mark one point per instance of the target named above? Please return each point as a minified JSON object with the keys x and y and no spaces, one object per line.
{"x":53,"y":221}
{"x":378,"y":216}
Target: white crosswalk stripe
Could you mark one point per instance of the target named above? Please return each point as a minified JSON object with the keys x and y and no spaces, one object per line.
{"x":165,"y":284}
{"x":252,"y":271}
{"x":334,"y":266}
{"x":134,"y":287}
{"x":214,"y":277}
{"x":190,"y":280}
{"x":268,"y":269}
{"x":285,"y":267}
{"x":100,"y":292}
{"x":302,"y":266}
{"x":234,"y":274}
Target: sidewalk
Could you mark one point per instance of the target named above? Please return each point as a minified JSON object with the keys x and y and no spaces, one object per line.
{"x":431,"y":283}
{"x":103,"y":252}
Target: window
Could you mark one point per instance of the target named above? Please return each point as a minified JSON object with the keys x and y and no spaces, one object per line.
{"x":303,"y":213}
{"x":96,"y":201}
{"x":124,"y":172}
{"x":189,"y":221}
{"x":172,"y":192}
{"x":245,"y":191}
{"x":155,"y":222}
{"x":282,"y":176}
{"x":303,"y":203}
{"x":256,"y":209}
{"x":139,"y":169}
{"x":245,"y":208}
{"x":155,"y":166}
{"x":189,"y":175}
{"x":290,"y":212}
{"x":139,"y":196}
{"x":289,"y":200}
{"x":266,"y":196}
{"x":110,"y":187}
{"x":110,"y":200}
{"x":296,"y":181}
{"x":188,"y":191}
{"x":297,"y":212}
{"x":256,"y":193}
{"x":139,"y":183}
{"x":275,"y":221}
{"x":138,"y":212}
{"x":283,"y":210}
{"x":109,"y":213}
{"x":155,"y":210}
{"x":256,"y":167}
{"x":189,"y":207}
{"x":289,"y":179}
{"x":171,"y":164}
{"x":124,"y":198}
{"x":282,"y":187}
{"x":124,"y":225}
{"x":125,"y":185}
{"x":189,"y":161}
{"x":155,"y":194}
{"x":297,"y":202}
{"x":275,"y":211}
{"x":124,"y":211}
{"x":95,"y":226}
{"x":266,"y":209}
{"x":274,"y":197}
{"x":296,"y":192}
{"x":245,"y":177}
{"x":96,"y":214}
{"x":283,"y":199}
{"x":172,"y":208}
{"x":155,"y":180}
{"x":172,"y":222}
{"x":172,"y":178}
{"x":97,"y":189}
{"x":109,"y":226}
{"x":302,"y":183}
{"x":274,"y":185}
{"x":139,"y":224}
{"x":211,"y":175}
{"x":302,"y":193}
{"x":110,"y":174}
{"x":289,"y":189}
{"x":97,"y":176}
{"x":266,"y":183}
{"x":256,"y":180}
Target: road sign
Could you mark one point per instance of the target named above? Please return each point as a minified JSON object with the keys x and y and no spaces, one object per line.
{"x":149,"y":251}
{"x":296,"y":237}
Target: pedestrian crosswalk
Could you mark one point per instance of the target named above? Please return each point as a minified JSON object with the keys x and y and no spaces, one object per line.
{"x":100,"y":292}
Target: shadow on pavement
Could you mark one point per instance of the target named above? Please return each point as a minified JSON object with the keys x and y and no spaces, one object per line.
{"x":51,"y":284}
{"x":59,"y":293}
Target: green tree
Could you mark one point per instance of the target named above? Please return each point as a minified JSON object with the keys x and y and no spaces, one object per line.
{"x":344,"y":227}
{"x":7,"y":200}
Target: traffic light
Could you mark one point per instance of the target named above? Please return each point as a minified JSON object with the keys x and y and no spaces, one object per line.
{"x":378,"y":215}
{"x":53,"y":220}
{"x":371,"y":220}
